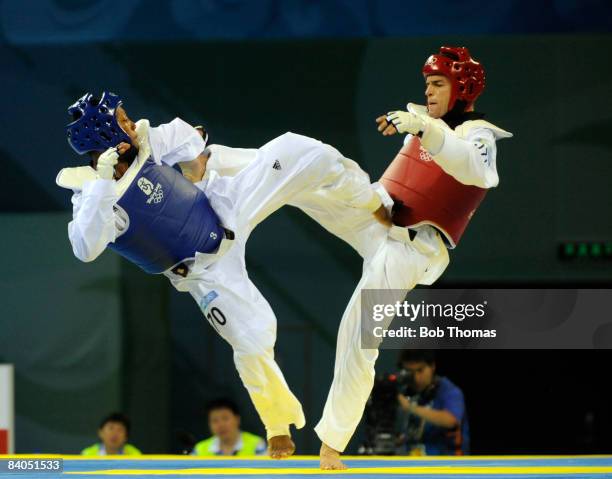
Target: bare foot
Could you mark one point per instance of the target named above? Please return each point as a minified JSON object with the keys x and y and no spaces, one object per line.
{"x":280,"y":447}
{"x":330,"y":459}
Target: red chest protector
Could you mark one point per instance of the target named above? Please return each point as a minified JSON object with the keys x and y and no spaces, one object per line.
{"x":425,"y":194}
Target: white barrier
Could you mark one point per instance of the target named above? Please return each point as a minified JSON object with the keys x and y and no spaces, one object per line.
{"x":7,"y":410}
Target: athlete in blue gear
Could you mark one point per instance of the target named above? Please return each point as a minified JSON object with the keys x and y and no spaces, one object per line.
{"x":131,"y":200}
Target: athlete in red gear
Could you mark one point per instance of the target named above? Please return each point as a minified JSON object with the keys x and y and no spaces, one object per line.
{"x":436,"y":182}
{"x":448,"y":160}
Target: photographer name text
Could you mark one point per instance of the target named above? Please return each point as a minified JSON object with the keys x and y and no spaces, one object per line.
{"x":413,"y":312}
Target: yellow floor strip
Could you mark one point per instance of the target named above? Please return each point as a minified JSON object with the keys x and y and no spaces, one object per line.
{"x":445,"y":470}
{"x":157,"y":457}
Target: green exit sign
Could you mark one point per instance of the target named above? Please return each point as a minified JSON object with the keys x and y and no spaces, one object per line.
{"x":594,"y":250}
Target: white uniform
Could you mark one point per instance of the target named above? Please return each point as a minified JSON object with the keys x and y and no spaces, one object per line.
{"x":391,"y":261}
{"x":278,"y":173}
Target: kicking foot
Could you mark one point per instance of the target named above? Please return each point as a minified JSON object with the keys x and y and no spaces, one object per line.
{"x":330,"y":459}
{"x":280,"y":447}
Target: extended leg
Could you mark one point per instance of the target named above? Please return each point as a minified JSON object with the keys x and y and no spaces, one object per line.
{"x":290,"y":167}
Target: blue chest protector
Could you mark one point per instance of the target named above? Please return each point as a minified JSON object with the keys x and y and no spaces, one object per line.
{"x":169,"y":220}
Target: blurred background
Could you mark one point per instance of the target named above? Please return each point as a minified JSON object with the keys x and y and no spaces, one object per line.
{"x":87,"y":339}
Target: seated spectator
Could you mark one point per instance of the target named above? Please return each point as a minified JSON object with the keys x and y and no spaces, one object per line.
{"x":435,"y":418}
{"x":113,"y":433}
{"x":228,"y":439}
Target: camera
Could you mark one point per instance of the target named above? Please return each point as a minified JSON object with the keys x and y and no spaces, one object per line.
{"x":381,"y":410}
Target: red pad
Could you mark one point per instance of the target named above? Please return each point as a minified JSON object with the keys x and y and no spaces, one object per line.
{"x":4,"y":441}
{"x":427,"y":194}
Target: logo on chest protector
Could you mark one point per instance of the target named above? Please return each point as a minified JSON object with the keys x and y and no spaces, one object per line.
{"x":424,"y":154}
{"x":155,"y":193}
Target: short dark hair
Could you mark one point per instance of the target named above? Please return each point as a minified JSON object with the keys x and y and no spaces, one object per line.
{"x":427,"y":356}
{"x":222,"y":403}
{"x":117,"y":417}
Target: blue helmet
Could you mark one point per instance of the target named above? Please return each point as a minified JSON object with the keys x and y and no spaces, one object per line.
{"x":95,"y":126}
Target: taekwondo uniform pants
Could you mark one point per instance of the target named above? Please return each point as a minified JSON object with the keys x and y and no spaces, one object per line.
{"x":284,"y":169}
{"x":333,"y":190}
{"x":391,"y":260}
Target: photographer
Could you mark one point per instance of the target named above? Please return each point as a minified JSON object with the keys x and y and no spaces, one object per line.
{"x":435,"y":420}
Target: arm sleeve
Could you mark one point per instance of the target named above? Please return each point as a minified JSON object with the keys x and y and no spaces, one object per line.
{"x":93,"y":220}
{"x":471,"y":161}
{"x":175,"y":142}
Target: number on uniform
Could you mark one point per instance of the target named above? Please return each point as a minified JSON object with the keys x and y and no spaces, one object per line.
{"x":216,"y":316}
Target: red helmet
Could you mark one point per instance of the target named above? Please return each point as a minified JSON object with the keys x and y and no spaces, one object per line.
{"x":466,"y":75}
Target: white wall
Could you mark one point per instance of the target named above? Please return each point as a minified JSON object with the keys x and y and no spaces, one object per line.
{"x":7,"y":411}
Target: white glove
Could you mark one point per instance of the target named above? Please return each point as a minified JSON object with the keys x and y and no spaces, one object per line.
{"x":106,"y":164}
{"x":406,"y":122}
